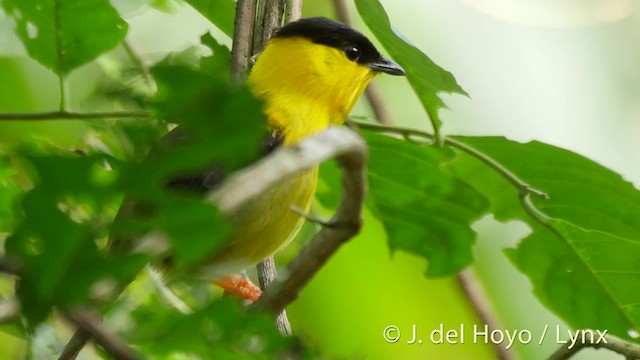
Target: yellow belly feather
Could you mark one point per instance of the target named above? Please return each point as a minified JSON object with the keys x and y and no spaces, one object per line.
{"x":265,"y":226}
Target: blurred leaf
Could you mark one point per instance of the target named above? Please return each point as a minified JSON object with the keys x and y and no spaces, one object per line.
{"x":9,"y":193}
{"x":221,"y":128}
{"x":209,"y":112}
{"x":64,"y":34}
{"x":218,"y":64}
{"x":424,"y":211}
{"x":584,"y":264}
{"x":56,"y":242}
{"x":426,"y":77}
{"x":222,"y":329}
{"x":195,"y":227}
{"x":220,"y":12}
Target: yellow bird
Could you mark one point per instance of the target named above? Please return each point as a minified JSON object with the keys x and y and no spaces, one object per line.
{"x":310,"y":75}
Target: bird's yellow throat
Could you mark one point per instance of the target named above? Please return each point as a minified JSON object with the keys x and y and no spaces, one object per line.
{"x":306,"y":86}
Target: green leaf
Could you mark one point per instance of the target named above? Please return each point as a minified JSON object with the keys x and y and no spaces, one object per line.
{"x":589,"y":278}
{"x":426,"y":77}
{"x":581,"y":191}
{"x":222,"y":329}
{"x":424,"y":210}
{"x":583,"y":264}
{"x":209,"y":112}
{"x":221,"y":128}
{"x":56,"y":243}
{"x":220,"y":12}
{"x":217,"y":65}
{"x":196,"y":229}
{"x":64,"y":34}
{"x":9,"y":193}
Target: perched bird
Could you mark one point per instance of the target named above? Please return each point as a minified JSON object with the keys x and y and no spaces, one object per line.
{"x":309,"y":75}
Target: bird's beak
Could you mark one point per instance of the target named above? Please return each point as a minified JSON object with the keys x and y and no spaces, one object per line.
{"x":387,"y":66}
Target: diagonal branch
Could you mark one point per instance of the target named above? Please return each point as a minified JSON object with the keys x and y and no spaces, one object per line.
{"x":350,"y":151}
{"x":89,"y":323}
{"x":409,"y":134}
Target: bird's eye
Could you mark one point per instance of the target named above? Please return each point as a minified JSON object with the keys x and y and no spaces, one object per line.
{"x":352,"y":52}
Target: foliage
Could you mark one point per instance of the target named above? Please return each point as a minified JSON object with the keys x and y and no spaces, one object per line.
{"x":60,"y":204}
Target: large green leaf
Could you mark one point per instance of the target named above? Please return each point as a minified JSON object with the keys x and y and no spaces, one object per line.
{"x":581,"y":191}
{"x":64,"y":34}
{"x":583,"y":263}
{"x":220,"y":12}
{"x":425,"y":76}
{"x":424,"y":210}
{"x":589,"y":278}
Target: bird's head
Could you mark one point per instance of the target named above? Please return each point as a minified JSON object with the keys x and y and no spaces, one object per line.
{"x":312,"y":72}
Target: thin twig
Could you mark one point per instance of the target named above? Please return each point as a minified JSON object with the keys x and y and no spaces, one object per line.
{"x":372,"y":93}
{"x":75,"y":345}
{"x":90,"y":323}
{"x":65,"y":115}
{"x":375,"y":100}
{"x":342,"y":12}
{"x":266,"y":275}
{"x":351,"y":153}
{"x":626,"y":348}
{"x":270,"y":14}
{"x":407,"y":133}
{"x":476,"y":296}
{"x":293,"y":10}
{"x":268,"y":19}
{"x":310,"y":218}
{"x":142,"y":68}
{"x":242,"y":48}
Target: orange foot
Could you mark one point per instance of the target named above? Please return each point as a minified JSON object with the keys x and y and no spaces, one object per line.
{"x":239,"y":286}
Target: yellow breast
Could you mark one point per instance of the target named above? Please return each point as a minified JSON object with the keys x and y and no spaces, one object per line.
{"x":265,"y":226}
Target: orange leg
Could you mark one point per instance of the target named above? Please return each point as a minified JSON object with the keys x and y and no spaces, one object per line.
{"x":239,"y":286}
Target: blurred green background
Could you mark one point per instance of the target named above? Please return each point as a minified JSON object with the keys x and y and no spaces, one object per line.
{"x":564,"y":72}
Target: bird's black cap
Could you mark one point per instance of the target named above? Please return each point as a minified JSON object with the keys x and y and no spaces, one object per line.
{"x":331,"y":33}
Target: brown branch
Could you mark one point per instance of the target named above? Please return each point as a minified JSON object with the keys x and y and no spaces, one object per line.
{"x":266,"y":275}
{"x":372,"y":93}
{"x":242,"y":47}
{"x":293,"y":10}
{"x":476,"y":296}
{"x":75,"y":345}
{"x":89,"y":323}
{"x":628,"y":349}
{"x":270,"y":14}
{"x":269,"y":18}
{"x":241,"y":188}
{"x":64,"y":115}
